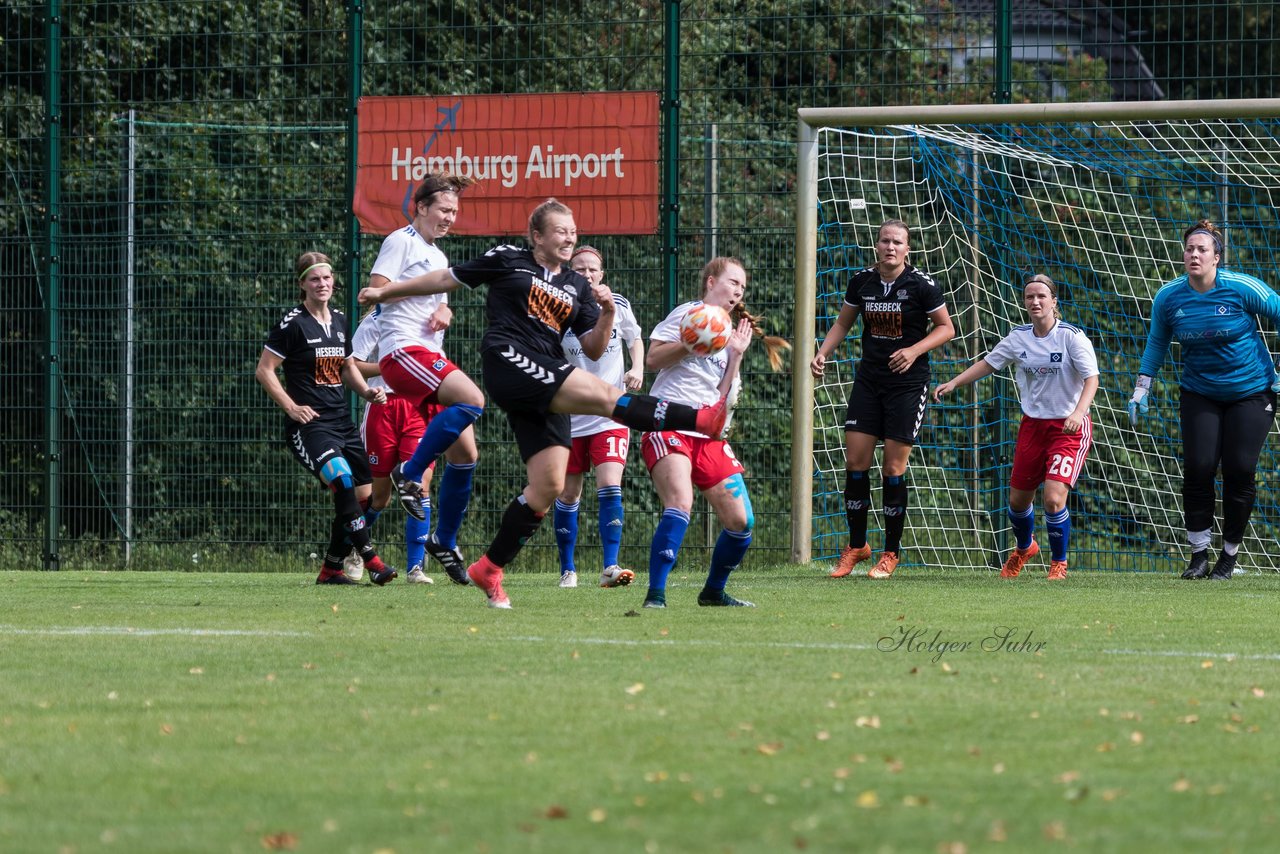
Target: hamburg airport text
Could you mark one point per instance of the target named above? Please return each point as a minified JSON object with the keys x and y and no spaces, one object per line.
{"x":542,"y":162}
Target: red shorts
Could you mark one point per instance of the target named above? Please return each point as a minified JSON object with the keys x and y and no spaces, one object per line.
{"x":415,"y":373}
{"x":607,"y":446}
{"x":1044,"y":452}
{"x":391,"y":432}
{"x":712,"y":459}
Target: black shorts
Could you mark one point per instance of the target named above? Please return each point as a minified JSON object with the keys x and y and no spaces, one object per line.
{"x":890,"y":411}
{"x":315,"y":443}
{"x":523,"y":384}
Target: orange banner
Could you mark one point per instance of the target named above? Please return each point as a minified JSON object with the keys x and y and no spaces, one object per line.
{"x":596,"y":153}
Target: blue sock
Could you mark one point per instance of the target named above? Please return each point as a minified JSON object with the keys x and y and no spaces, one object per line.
{"x":665,"y":547}
{"x":565,"y":519}
{"x":371,"y":516}
{"x":454,"y":496}
{"x":726,"y":557}
{"x":1059,"y":526}
{"x":611,"y":515}
{"x":442,"y":431}
{"x":415,"y":534}
{"x":1024,"y":525}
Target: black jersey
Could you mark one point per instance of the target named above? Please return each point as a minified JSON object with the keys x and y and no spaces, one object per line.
{"x":894,"y":315}
{"x":313,"y":353}
{"x":527,"y":306}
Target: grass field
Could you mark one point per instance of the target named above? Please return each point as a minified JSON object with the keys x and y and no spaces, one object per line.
{"x":249,"y":712}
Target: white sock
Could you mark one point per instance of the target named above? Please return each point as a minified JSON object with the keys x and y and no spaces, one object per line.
{"x":1199,"y":540}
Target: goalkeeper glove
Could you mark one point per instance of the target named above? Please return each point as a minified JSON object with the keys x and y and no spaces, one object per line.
{"x":1139,"y":403}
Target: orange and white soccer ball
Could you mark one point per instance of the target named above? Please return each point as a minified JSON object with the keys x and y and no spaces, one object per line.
{"x":705,"y":329}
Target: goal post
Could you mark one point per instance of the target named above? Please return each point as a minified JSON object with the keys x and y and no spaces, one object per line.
{"x":1096,"y":195}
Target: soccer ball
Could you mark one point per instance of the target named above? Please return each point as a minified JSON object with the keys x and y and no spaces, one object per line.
{"x":705,"y":329}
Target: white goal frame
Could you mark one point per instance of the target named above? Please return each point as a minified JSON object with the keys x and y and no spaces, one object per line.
{"x":811,"y":120}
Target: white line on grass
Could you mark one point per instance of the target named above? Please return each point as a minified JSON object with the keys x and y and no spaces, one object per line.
{"x":1176,"y":653}
{"x":688,"y":642}
{"x":136,"y":632}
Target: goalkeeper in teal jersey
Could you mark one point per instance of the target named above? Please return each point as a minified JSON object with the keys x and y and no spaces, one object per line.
{"x":1227,"y":395}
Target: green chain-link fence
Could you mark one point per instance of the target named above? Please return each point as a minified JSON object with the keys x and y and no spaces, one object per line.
{"x":165,"y":160}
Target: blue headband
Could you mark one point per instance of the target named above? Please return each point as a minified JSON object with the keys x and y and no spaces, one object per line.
{"x":1217,"y":244}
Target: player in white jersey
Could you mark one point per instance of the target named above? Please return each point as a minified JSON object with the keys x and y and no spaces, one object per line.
{"x":390,"y":434}
{"x":598,"y":442}
{"x":681,"y":460}
{"x":412,"y":361}
{"x":1057,"y":376}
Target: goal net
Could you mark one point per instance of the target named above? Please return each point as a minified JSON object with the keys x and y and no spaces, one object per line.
{"x":1097,"y":197}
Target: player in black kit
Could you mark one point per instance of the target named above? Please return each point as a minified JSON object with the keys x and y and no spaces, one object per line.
{"x":533,"y":298}
{"x":898,"y":305}
{"x":313,"y":346}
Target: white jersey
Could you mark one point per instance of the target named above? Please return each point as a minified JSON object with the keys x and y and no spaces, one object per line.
{"x":404,"y":255}
{"x":610,"y":367}
{"x":694,"y":380}
{"x":1051,"y":370}
{"x":364,"y":346}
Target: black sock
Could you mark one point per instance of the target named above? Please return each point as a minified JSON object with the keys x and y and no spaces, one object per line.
{"x":857,"y":504}
{"x":350,"y":516}
{"x":519,"y":523}
{"x":646,"y":412}
{"x":895,"y":512}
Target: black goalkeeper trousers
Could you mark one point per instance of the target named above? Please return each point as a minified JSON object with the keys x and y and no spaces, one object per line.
{"x":1228,"y":434}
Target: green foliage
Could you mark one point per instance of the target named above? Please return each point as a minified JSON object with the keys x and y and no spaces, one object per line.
{"x":238,"y":128}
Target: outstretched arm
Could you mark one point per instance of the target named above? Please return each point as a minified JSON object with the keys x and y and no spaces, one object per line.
{"x":435,"y":282}
{"x":976,"y":371}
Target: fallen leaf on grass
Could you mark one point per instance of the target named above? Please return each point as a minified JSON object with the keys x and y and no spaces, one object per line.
{"x":1257,"y":692}
{"x":770,"y":748}
{"x":1189,"y":719}
{"x":1067,"y":777}
{"x":634,"y":689}
{"x":597,"y":815}
{"x":556,"y":811}
{"x":280,"y":842}
{"x":1205,"y":665}
{"x":868,"y":800}
{"x":1136,"y":737}
{"x":1182,"y":784}
{"x":997,"y":832}
{"x":867,"y":721}
{"x":1055,"y":830}
{"x":952,"y":847}
{"x":1076,"y":794}
{"x":1106,"y":747}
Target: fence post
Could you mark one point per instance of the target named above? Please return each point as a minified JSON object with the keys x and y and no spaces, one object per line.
{"x":669,"y":206}
{"x":53,"y":321}
{"x":355,"y":28}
